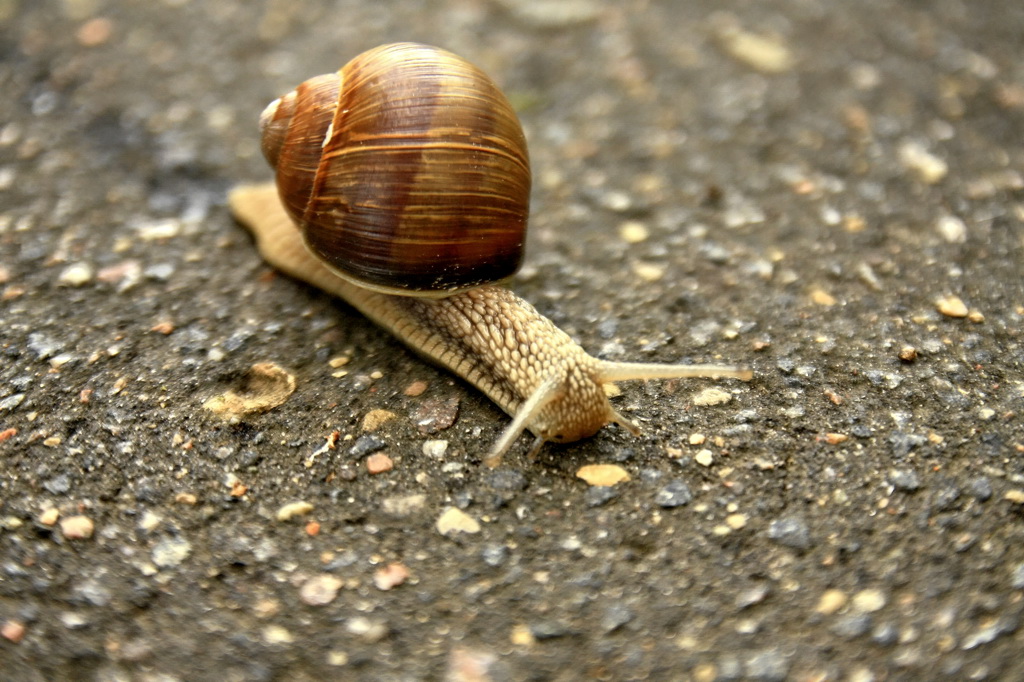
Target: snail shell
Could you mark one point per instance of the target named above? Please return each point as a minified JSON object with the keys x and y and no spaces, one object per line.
{"x":406,"y":170}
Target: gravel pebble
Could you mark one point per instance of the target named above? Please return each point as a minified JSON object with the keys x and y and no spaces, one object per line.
{"x":320,"y":590}
{"x":596,"y":496}
{"x":602,"y":475}
{"x":674,"y":494}
{"x":615,"y":616}
{"x":435,"y":414}
{"x":1017,"y":577}
{"x":905,"y":480}
{"x":711,"y":396}
{"x":980,"y":488}
{"x":379,"y":463}
{"x":435,"y":448}
{"x":390,"y":576}
{"x":494,"y":555}
{"x":453,"y":521}
{"x":509,"y":480}
{"x":851,"y":625}
{"x":790,"y":532}
{"x":367,"y":444}
{"x":171,"y":552}
{"x":77,"y":527}
{"x":293,"y":509}
{"x":404,"y":505}
{"x":768,"y":665}
{"x":868,"y":601}
{"x":831,"y":601}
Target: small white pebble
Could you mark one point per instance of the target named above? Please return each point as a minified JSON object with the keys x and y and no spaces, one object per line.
{"x":952,"y":229}
{"x":76,"y":274}
{"x":929,"y":167}
{"x":711,"y":396}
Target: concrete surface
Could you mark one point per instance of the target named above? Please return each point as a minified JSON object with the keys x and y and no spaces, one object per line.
{"x":830,"y":191}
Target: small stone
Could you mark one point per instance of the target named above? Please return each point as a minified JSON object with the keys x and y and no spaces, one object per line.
{"x":390,"y":576}
{"x":822,"y":297}
{"x":790,"y":532}
{"x":12,"y":631}
{"x":602,"y":474}
{"x":980,"y":488}
{"x":405,"y":505}
{"x":293,"y":509}
{"x":522,"y":635}
{"x":436,"y":414}
{"x":905,"y":480}
{"x":767,"y":665}
{"x":379,"y":463}
{"x":595,"y":496}
{"x":852,"y":625}
{"x":675,"y":494}
{"x":1014,"y":496}
{"x":276,"y":634}
{"x":711,"y":396}
{"x":952,"y":229}
{"x":49,"y":516}
{"x":509,"y":480}
{"x":435,"y":448}
{"x":454,"y":520}
{"x":868,"y":601}
{"x":76,"y":275}
{"x":494,"y":555}
{"x":339,"y":361}
{"x":370,"y":631}
{"x":158,"y":230}
{"x":366,"y":445}
{"x":266,"y":386}
{"x":186,"y":498}
{"x":337,"y":658}
{"x":374,"y":419}
{"x":768,"y":54}
{"x":952,"y":306}
{"x":752,"y":596}
{"x":553,"y":14}
{"x":633,"y":232}
{"x":830,"y":602}
{"x":908,"y":354}
{"x":885,"y":634}
{"x":704,"y":457}
{"x":736,"y":521}
{"x":1017,"y":577}
{"x":615,"y":616}
{"x":697,"y":439}
{"x":171,"y":552}
{"x":320,"y":590}
{"x":989,"y":633}
{"x":929,"y":167}
{"x":415,"y":389}
{"x":77,"y":527}
{"x":58,"y":485}
{"x":648,"y":272}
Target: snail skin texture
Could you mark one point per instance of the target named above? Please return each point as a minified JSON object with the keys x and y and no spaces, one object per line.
{"x":402,"y":186}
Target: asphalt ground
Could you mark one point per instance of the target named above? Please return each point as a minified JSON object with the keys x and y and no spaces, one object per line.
{"x":831,"y":193}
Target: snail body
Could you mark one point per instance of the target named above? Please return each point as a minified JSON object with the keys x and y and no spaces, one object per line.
{"x":459,"y":166}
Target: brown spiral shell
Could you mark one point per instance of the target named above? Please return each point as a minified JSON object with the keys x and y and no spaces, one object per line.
{"x":407,"y":170}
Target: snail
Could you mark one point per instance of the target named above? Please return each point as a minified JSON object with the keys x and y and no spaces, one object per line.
{"x":402,"y":186}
